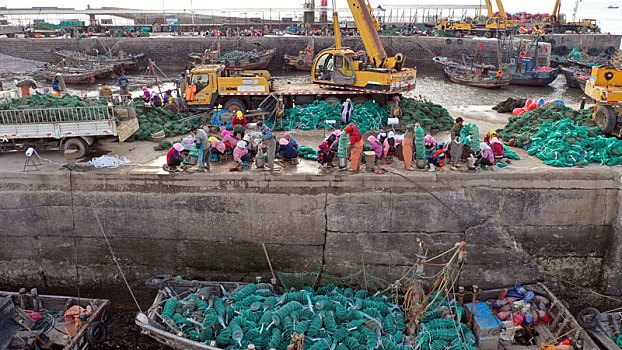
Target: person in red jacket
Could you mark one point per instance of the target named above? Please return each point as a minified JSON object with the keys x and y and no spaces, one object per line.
{"x":356,"y":142}
{"x":239,"y":125}
{"x":174,"y":157}
{"x":497,"y":147}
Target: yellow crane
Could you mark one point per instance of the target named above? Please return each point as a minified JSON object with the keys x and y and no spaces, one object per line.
{"x":373,"y":70}
{"x":481,"y":25}
{"x":556,"y":22}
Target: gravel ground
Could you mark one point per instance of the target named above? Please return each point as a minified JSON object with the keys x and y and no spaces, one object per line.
{"x":13,"y":65}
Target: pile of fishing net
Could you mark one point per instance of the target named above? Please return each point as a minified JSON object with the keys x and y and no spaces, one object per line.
{"x":307,"y":152}
{"x":438,"y":332}
{"x":155,"y":119}
{"x":237,"y":55}
{"x":366,"y":116}
{"x":470,"y":135}
{"x":64,"y":24}
{"x":564,"y":143}
{"x":329,"y":318}
{"x":51,"y":101}
{"x":430,"y":116}
{"x":520,"y":129}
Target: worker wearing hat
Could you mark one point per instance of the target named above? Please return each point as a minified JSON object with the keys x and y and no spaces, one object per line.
{"x":396,"y":110}
{"x":346,"y":112}
{"x":239,"y":124}
{"x":203,"y":145}
{"x":270,"y":141}
{"x":356,"y":142}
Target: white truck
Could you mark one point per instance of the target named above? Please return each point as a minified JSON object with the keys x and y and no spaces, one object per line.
{"x":64,"y":128}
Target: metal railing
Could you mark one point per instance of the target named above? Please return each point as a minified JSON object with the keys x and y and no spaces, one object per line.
{"x":56,"y":115}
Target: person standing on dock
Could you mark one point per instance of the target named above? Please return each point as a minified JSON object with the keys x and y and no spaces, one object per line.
{"x":123,"y":84}
{"x":182,"y":84}
{"x":268,"y":138}
{"x":346,"y":112}
{"x":407,"y":146}
{"x":203,"y":145}
{"x":457,"y":128}
{"x":356,"y":142}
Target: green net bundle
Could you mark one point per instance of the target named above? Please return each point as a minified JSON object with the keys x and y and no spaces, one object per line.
{"x":470,"y":135}
{"x":435,"y":332}
{"x":564,"y":143}
{"x":366,"y":116}
{"x":520,"y":129}
{"x":330,"y":317}
{"x":51,"y":101}
{"x":307,"y":152}
{"x":419,"y":143}
{"x":237,"y":55}
{"x":156,"y":118}
{"x":430,"y":116}
{"x":64,"y":24}
{"x":344,"y":142}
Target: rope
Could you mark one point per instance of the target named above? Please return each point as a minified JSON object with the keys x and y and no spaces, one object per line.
{"x":75,"y":236}
{"x":114,"y":258}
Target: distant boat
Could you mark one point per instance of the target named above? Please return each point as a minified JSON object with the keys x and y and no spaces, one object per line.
{"x":478,"y":78}
{"x":612,"y":7}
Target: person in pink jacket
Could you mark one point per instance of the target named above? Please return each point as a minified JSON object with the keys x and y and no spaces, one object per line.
{"x":228,"y":139}
{"x":240,"y":154}
{"x":375,"y":146}
{"x":389,"y":144}
{"x":218,"y":147}
{"x":485,"y":156}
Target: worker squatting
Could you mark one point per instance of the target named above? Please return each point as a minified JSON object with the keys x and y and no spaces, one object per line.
{"x":247,"y":144}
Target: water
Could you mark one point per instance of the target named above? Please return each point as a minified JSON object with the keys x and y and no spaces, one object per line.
{"x":432,"y":83}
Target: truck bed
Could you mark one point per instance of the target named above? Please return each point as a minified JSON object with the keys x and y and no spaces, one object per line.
{"x":301,"y":89}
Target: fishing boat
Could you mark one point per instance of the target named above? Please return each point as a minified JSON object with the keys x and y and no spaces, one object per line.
{"x":127,"y":61}
{"x":575,"y":77}
{"x":80,"y":74}
{"x":495,"y":326}
{"x":304,"y":59}
{"x":234,"y":59}
{"x":523,"y":66}
{"x":612,"y":6}
{"x":476,"y":78}
{"x":29,"y":320}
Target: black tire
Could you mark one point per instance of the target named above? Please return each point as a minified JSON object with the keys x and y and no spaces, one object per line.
{"x":96,"y":333}
{"x":78,"y":144}
{"x":459,"y":41}
{"x":589,"y":318}
{"x":459,"y":34}
{"x":332,"y":100}
{"x":157,"y":282}
{"x":301,"y":62}
{"x":556,"y":30}
{"x":488,"y":34}
{"x":594,"y":51}
{"x":562,"y":50}
{"x":605,"y":118}
{"x":447,"y":41}
{"x":233,"y":105}
{"x":610,"y":50}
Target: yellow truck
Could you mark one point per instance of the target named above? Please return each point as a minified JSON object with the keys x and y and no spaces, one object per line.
{"x":242,"y":90}
{"x":605,"y":87}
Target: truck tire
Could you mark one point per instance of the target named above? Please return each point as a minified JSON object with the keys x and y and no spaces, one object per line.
{"x":78,"y":144}
{"x":589,"y":318}
{"x":459,"y":41}
{"x":459,"y":34}
{"x":359,"y":100}
{"x":332,"y":101}
{"x":606,"y":118}
{"x":96,"y":333}
{"x":594,"y":51}
{"x":447,"y":41}
{"x":234,"y":105}
{"x":488,"y":34}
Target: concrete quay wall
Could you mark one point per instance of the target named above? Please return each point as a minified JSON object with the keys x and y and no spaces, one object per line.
{"x":519,"y":228}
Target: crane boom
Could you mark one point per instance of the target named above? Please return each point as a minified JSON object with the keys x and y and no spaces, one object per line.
{"x":556,"y":9}
{"x":336,"y":26}
{"x":367,"y":25}
{"x":489,"y":8}
{"x":501,"y":10}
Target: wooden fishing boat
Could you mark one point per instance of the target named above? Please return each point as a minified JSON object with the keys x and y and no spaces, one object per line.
{"x":127,"y":61}
{"x":304,"y":60}
{"x":79,"y":75}
{"x":258,"y":59}
{"x":562,"y":326}
{"x":33,"y":321}
{"x":575,"y":78}
{"x":477,"y":78}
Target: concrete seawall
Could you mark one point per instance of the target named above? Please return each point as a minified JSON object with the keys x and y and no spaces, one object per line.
{"x":519,"y":227}
{"x":173,"y":51}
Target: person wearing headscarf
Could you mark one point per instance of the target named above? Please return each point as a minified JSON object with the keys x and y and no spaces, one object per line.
{"x":497,"y":147}
{"x":334,"y":136}
{"x":241,"y":155}
{"x":346,"y":112}
{"x":146,"y":94}
{"x":381,"y":137}
{"x":218,"y":147}
{"x":490,"y":135}
{"x":324,"y":155}
{"x":239,"y":124}
{"x":166,"y":95}
{"x":286,"y":150}
{"x":485,"y":156}
{"x":291,"y":139}
{"x":155,"y":99}
{"x":356,"y":142}
{"x":407,"y":147}
{"x":389,"y":144}
{"x":375,"y":146}
{"x":228,"y":139}
{"x":270,"y":140}
{"x":174,"y":157}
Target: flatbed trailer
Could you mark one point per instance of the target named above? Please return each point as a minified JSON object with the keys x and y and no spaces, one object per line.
{"x":64,"y":128}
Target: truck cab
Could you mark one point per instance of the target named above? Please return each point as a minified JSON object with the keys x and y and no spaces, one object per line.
{"x":605,"y":87}
{"x":212,"y":83}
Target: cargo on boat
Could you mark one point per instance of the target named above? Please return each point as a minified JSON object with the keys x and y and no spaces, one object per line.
{"x":234,"y":59}
{"x":476,"y":78}
{"x":124,"y":60}
{"x":29,"y":320}
{"x":86,"y":74}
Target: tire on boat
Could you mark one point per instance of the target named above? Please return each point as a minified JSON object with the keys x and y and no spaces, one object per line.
{"x":96,"y":333}
{"x":157,"y":282}
{"x":589,"y":318}
{"x":447,"y":41}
